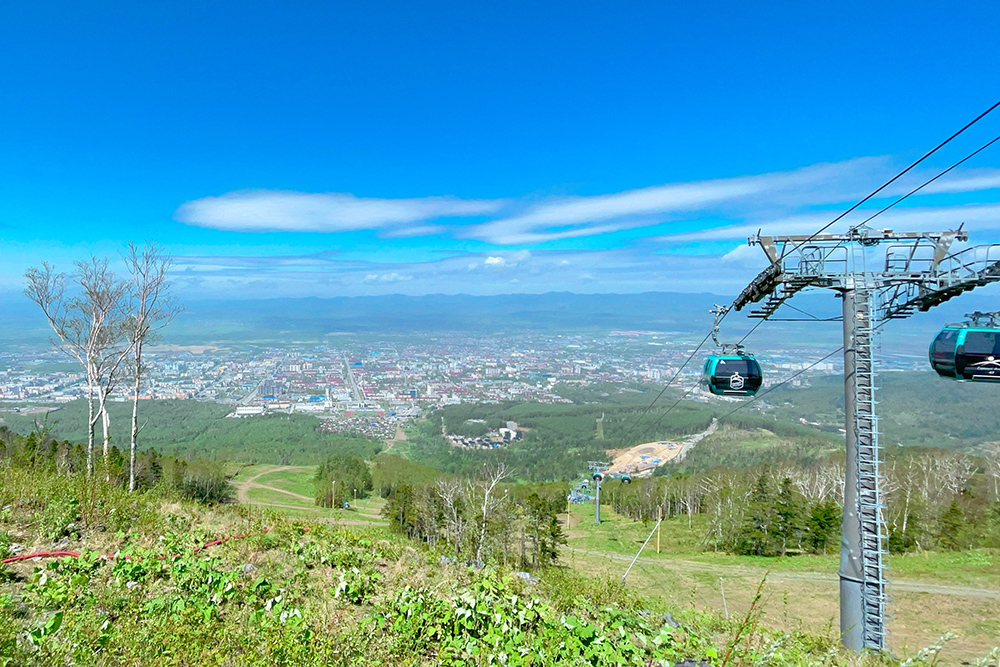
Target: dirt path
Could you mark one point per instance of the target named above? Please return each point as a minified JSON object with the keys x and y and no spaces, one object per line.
{"x":287,"y":493}
{"x":243,"y":486}
{"x":812,"y":577}
{"x":399,"y":437}
{"x":243,"y":496}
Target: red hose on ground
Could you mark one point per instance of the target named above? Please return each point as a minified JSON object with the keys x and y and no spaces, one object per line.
{"x":73,"y":554}
{"x":40,"y":554}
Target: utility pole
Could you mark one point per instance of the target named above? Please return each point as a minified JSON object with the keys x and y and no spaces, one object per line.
{"x":658,"y":522}
{"x":915,"y":272}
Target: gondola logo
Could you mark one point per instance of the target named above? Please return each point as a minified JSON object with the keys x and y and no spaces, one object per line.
{"x":989,"y":367}
{"x":736,"y":381}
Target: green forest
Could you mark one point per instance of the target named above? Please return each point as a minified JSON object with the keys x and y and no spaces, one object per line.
{"x":914,"y":409}
{"x":558,"y":439}
{"x":194,"y":429}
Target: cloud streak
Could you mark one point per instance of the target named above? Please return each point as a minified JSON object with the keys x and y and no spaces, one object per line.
{"x":730,"y":206}
{"x":270,"y":211}
{"x":573,"y":217}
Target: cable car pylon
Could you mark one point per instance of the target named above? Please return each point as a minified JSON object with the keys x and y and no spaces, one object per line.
{"x":916,"y":273}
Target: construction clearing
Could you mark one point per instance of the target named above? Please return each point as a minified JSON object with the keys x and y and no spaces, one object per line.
{"x":642,"y":460}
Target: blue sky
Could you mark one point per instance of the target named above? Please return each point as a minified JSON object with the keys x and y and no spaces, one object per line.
{"x":296,"y":149}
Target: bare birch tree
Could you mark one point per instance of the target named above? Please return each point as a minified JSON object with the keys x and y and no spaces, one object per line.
{"x":151,"y":309}
{"x":450,"y":492}
{"x":101,"y":304}
{"x":492,"y":477}
{"x":48,"y":290}
{"x":87,"y":327}
{"x":992,"y":457}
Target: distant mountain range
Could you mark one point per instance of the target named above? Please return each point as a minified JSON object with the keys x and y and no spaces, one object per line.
{"x":311,"y":318}
{"x":480,"y":314}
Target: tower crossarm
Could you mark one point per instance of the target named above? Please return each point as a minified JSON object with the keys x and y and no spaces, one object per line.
{"x":822,"y":260}
{"x":953,"y":275}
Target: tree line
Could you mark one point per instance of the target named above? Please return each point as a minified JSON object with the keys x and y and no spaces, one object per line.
{"x":936,"y":499}
{"x":199,"y":479}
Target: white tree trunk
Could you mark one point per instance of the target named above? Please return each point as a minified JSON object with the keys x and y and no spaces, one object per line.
{"x":135,"y":427}
{"x":91,"y":422}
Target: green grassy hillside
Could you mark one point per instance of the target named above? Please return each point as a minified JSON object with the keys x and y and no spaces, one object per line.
{"x":287,"y":592}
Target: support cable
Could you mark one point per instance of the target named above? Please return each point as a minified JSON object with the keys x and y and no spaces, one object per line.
{"x":818,"y":319}
{"x":669,"y":382}
{"x":928,"y":182}
{"x":897,"y":177}
{"x":668,"y":410}
{"x":913,"y":191}
{"x":754,"y":328}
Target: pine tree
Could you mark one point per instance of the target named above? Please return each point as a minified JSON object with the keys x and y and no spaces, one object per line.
{"x":952,"y":526}
{"x":788,"y":524}
{"x":755,"y":537}
{"x":824,"y":525}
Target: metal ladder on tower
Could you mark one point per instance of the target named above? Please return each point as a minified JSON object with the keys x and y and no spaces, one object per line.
{"x":871,"y":505}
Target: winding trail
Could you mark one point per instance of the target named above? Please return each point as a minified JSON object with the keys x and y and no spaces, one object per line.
{"x":243,"y":486}
{"x":243,"y":496}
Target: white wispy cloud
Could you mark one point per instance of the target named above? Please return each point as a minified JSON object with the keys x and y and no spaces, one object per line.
{"x":730,"y":206}
{"x":269,"y":211}
{"x":387,"y":277}
{"x":970,"y":181}
{"x":573,"y":217}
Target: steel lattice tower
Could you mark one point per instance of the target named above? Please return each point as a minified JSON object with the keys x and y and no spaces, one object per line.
{"x":916,"y":273}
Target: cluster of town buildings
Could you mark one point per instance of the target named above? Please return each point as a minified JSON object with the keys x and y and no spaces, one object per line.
{"x":492,"y":439}
{"x":370,"y":387}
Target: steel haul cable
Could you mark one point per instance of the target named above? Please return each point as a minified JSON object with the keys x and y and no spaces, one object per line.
{"x":670,"y":382}
{"x":898,"y":176}
{"x":929,"y":181}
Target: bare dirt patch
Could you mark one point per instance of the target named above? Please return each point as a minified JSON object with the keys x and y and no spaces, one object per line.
{"x":643,"y":459}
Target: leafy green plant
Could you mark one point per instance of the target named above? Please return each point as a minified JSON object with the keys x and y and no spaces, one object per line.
{"x":356,"y":586}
